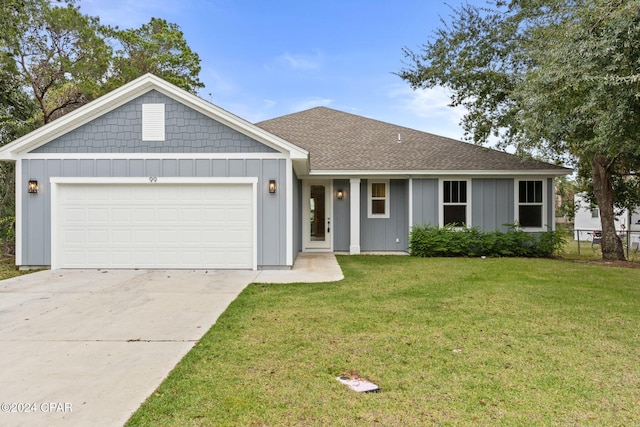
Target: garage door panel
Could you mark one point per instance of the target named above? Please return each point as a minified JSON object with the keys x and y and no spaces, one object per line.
{"x":154,"y":226}
{"x":120,"y":215}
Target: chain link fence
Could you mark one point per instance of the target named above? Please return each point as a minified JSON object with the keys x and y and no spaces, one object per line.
{"x":589,"y":240}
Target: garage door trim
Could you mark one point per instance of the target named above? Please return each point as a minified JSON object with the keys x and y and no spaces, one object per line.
{"x":57,"y":181}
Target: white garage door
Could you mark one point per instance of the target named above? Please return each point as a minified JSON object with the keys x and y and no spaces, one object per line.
{"x":153,"y":226}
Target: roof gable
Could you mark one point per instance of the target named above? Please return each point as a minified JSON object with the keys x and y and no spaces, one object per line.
{"x":184,"y":130}
{"x":339,"y":141}
{"x":129,"y":92}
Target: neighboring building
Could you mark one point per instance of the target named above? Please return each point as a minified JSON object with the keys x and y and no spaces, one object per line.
{"x":587,"y":221}
{"x":151,"y":176}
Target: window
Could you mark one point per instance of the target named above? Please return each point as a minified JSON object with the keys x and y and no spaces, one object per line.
{"x":595,"y":213}
{"x":530,"y":203}
{"x":378,"y":199}
{"x":454,"y":201}
{"x":153,"y":122}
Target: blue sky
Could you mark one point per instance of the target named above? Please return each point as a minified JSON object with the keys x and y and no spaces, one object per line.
{"x":264,"y":59}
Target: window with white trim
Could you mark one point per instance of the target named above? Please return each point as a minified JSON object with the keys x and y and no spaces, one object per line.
{"x":530,"y":203}
{"x":454,"y":203}
{"x":378,"y":199}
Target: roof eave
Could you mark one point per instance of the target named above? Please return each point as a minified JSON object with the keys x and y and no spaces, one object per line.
{"x":128,"y":92}
{"x":438,"y":173}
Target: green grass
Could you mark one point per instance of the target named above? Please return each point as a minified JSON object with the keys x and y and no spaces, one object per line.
{"x":586,"y":251}
{"x":449,"y":341}
{"x":8,"y":268}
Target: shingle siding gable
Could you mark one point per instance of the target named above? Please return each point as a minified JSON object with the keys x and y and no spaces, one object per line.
{"x":120,"y":131}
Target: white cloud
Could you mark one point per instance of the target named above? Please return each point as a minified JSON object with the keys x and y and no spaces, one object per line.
{"x":310,"y":103}
{"x":301,"y":62}
{"x":429,"y":110}
{"x":128,"y":13}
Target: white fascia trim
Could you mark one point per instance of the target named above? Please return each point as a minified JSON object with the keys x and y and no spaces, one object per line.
{"x":77,"y":118}
{"x":398,"y":174}
{"x":163,"y":156}
{"x":130,"y":91}
{"x":20,"y":188}
{"x":152,"y":180}
{"x":410,"y":205}
{"x":212,"y":111}
{"x":289,"y":212}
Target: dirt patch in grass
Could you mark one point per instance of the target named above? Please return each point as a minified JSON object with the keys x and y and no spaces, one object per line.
{"x":604,"y":263}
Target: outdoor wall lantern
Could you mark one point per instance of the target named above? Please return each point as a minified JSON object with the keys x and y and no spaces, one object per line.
{"x":340,"y":194}
{"x":33,"y":186}
{"x":272,"y":186}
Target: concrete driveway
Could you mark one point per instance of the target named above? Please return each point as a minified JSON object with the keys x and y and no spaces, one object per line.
{"x":86,"y":348}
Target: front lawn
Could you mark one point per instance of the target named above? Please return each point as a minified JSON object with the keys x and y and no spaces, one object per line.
{"x":449,"y":341}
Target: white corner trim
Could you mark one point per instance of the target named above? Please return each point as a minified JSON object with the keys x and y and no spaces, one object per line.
{"x":354,"y":220}
{"x":289,"y":212}
{"x":410,"y":205}
{"x":20,"y":188}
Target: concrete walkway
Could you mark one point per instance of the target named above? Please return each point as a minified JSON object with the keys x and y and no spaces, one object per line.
{"x":87,"y":347}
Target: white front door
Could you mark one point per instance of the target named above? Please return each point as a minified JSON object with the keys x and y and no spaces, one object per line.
{"x":316,"y":212}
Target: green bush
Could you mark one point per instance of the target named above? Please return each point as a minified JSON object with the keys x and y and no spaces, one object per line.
{"x":448,"y":241}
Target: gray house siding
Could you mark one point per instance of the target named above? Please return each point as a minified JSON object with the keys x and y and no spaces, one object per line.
{"x":186,"y":131}
{"x":36,"y":208}
{"x":425,"y":202}
{"x":492,"y":203}
{"x":341,"y":216}
{"x":380,"y":234}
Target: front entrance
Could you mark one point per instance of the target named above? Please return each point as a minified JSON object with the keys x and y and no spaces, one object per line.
{"x":316,"y":196}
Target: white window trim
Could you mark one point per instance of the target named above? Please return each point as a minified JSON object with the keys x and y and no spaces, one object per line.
{"x":441,"y":201}
{"x":516,"y":200}
{"x":386,"y":199}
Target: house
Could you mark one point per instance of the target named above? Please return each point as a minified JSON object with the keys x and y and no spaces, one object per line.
{"x":151,"y":176}
{"x":588,"y":221}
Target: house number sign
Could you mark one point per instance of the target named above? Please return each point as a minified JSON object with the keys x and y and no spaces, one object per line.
{"x":153,"y":179}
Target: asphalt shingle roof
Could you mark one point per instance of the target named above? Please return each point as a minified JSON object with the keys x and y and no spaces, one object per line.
{"x":337,"y":140}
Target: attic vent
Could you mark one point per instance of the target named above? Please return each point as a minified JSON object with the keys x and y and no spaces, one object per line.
{"x":399,"y":138}
{"x":153,"y":122}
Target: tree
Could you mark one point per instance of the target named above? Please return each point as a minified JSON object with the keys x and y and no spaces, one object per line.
{"x":159,"y":48}
{"x":559,"y":78}
{"x":62,"y":57}
{"x":54,"y":59}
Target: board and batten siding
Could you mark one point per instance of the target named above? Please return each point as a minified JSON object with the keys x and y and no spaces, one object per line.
{"x":492,"y":204}
{"x":425,"y":202}
{"x":36,"y":208}
{"x":386,"y":234}
{"x":340,"y":221}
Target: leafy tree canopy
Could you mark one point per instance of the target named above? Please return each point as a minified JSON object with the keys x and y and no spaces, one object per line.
{"x":560,"y":78}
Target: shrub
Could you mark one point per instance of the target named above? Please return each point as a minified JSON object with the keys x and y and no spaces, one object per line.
{"x":448,"y":241}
